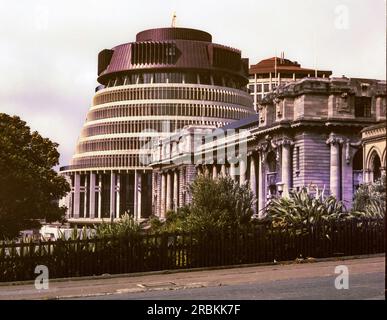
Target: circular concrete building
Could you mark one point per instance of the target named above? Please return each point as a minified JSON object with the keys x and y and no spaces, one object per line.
{"x":168,"y":79}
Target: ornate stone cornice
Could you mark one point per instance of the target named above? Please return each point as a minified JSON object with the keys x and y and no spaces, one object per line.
{"x":356,"y":144}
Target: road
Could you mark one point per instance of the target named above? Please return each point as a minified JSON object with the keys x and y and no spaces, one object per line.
{"x":282,"y":281}
{"x":367,"y":286}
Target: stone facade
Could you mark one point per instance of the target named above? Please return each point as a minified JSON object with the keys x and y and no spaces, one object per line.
{"x":374,"y":152}
{"x":306,"y":133}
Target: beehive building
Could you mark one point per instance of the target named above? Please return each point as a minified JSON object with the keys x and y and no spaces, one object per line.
{"x":167,"y":79}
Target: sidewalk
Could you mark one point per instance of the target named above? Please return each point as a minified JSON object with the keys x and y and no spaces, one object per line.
{"x":193,"y":279}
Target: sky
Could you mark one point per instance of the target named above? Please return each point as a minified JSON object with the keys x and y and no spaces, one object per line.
{"x":49,"y":49}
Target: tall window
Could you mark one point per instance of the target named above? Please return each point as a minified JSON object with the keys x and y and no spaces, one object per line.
{"x":376,"y":165}
{"x":363,"y":107}
{"x":357,"y":167}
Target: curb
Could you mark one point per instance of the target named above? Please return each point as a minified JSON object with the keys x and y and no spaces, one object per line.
{"x":171,"y":271}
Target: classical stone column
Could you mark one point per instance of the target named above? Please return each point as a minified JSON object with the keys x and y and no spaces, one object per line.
{"x":335,"y":142}
{"x":232,"y":170}
{"x":77,"y":194}
{"x":261,"y":185}
{"x":139,"y":195}
{"x":347,"y":175}
{"x":117,"y":191}
{"x":242,"y":170}
{"x":112,"y":194}
{"x":162,"y":201}
{"x":85,"y":197}
{"x":135,"y":194}
{"x":214,"y":172}
{"x":366,"y":175}
{"x":286,"y":167}
{"x":92,"y":196}
{"x":223,"y":170}
{"x":175,"y":190}
{"x":253,"y":177}
{"x":100,"y":197}
{"x":169,"y":192}
{"x":206,"y":171}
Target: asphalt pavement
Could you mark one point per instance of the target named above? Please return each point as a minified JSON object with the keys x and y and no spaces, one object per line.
{"x":368,"y":286}
{"x":309,"y":280}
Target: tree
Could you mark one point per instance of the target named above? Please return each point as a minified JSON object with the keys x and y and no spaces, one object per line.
{"x":216,"y":204}
{"x":29,"y":186}
{"x":219,"y":203}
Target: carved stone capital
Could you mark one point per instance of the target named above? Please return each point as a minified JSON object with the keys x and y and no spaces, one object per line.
{"x":199,"y":163}
{"x":263,"y":147}
{"x":240,"y":156}
{"x":333,"y":139}
{"x":285,"y":142}
{"x":232,"y":159}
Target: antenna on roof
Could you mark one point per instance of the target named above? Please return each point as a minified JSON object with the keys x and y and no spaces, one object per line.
{"x":315,"y":54}
{"x":275,"y":64}
{"x":173,"y":24}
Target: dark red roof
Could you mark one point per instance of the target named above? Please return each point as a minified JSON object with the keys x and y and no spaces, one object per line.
{"x":162,"y":34}
{"x":172,"y":48}
{"x":283,"y":66}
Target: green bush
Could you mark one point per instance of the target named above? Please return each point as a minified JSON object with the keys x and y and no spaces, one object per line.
{"x":126,"y":226}
{"x":303,"y":208}
{"x":216,"y":204}
{"x":370,"y":200}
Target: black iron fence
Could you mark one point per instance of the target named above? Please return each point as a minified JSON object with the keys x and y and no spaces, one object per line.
{"x":149,"y":252}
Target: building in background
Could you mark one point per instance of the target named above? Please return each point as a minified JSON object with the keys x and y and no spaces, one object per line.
{"x":267,"y":74}
{"x":167,"y":79}
{"x":374,"y":151}
{"x":308,"y":133}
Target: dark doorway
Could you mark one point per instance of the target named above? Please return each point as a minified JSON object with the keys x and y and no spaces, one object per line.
{"x":376,"y":164}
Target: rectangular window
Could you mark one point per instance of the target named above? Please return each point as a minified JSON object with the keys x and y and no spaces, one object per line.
{"x":297,"y":160}
{"x":363,"y":107}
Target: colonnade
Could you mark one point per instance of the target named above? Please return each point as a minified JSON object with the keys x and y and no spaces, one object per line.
{"x":252,"y":169}
{"x":98,"y":195}
{"x":170,"y":195}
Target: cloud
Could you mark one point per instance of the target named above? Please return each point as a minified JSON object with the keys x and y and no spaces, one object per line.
{"x":49,"y":49}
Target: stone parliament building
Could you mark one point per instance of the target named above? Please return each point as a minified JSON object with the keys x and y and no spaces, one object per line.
{"x":173,"y":105}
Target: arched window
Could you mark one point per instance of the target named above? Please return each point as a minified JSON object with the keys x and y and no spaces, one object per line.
{"x":375,"y":167}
